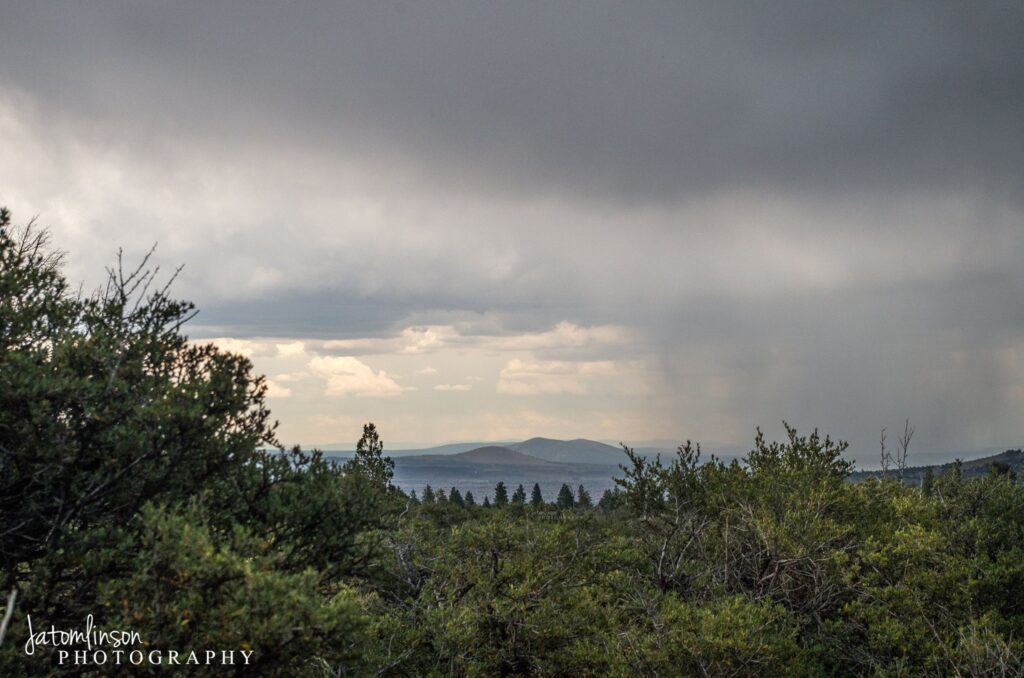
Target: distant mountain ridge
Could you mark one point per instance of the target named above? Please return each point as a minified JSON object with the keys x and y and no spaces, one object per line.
{"x":578,"y":451}
{"x":445,"y":449}
{"x":481,"y":468}
{"x":489,"y":455}
{"x":1013,"y":459}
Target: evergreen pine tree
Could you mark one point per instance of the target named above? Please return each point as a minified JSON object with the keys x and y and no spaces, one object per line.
{"x":519,"y":496}
{"x":370,"y":459}
{"x":487,"y":501}
{"x":610,"y":500}
{"x":536,"y":499}
{"x":413,"y":498}
{"x":583,"y":499}
{"x":455,"y":497}
{"x":565,"y":499}
{"x":470,"y":501}
{"x":428,"y":495}
{"x":500,"y":494}
{"x":442,"y":498}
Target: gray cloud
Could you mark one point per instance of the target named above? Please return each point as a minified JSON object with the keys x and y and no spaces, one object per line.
{"x":609,"y":99}
{"x":804,"y":210}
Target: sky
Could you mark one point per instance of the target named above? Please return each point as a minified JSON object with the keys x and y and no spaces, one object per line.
{"x":619,"y":221}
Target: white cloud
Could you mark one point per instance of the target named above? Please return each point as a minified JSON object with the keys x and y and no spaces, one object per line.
{"x":276,"y":390}
{"x":564,"y":335}
{"x":349,"y":376}
{"x":362,"y":346}
{"x":249,"y":348}
{"x":426,"y":372}
{"x":453,"y":387}
{"x":424,"y":339}
{"x":550,"y":376}
{"x":291,"y":348}
{"x":417,"y":340}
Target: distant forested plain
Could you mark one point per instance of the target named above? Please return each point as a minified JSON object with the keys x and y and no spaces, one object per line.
{"x":140,"y":483}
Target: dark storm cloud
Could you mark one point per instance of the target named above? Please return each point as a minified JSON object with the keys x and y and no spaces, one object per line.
{"x":620,"y":100}
{"x":808,"y":211}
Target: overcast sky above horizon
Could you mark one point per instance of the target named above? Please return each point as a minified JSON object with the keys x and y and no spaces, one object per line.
{"x":486,"y":221}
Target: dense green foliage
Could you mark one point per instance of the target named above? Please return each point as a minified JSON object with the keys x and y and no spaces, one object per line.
{"x":141,"y":482}
{"x":773,"y":566}
{"x":134,"y":485}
